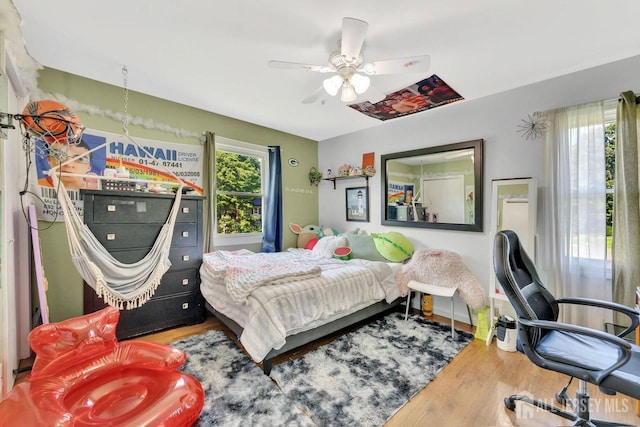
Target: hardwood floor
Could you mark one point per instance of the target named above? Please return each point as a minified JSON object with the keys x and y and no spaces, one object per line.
{"x":470,"y":390}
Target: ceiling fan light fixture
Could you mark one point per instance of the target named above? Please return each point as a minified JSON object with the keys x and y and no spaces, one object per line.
{"x":360,"y":83}
{"x":348,"y":92}
{"x":332,"y":85}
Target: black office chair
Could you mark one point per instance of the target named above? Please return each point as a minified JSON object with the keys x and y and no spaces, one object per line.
{"x":592,"y":356}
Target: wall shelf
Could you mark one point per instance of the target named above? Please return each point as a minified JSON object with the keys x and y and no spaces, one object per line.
{"x":340,"y":178}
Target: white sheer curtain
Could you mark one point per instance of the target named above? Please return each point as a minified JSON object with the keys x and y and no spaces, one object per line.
{"x":572,"y":245}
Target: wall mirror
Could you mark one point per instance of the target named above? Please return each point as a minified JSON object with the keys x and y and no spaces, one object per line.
{"x":435,"y":187}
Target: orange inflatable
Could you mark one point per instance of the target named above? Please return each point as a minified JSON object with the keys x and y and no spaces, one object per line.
{"x":82,"y":376}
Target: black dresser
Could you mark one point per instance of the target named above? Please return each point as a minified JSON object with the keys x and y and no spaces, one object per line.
{"x":127,"y":224}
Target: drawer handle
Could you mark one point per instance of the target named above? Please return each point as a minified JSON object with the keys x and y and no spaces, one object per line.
{"x":111,"y":208}
{"x":111,"y":236}
{"x":185,"y":210}
{"x":185,"y":234}
{"x":185,"y":305}
{"x":185,"y":257}
{"x":185,"y":282}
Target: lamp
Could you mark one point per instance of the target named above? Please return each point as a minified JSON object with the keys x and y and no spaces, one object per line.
{"x":352,"y":84}
{"x":332,"y":84}
{"x":348,"y":92}
{"x":360,"y":83}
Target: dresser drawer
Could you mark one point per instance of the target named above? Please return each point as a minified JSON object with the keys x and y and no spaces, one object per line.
{"x":118,"y":210}
{"x":181,"y":257}
{"x":161,"y":313}
{"x":125,"y":236}
{"x":176,"y":282}
{"x":157,"y":313}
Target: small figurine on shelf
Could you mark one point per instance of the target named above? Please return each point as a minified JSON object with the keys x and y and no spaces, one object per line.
{"x":355,"y":171}
{"x":329,"y":173}
{"x":344,"y":170}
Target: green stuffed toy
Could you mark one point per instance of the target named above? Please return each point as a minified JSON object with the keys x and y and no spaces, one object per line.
{"x":327,"y":231}
{"x":393,"y":246}
{"x":305,"y":234}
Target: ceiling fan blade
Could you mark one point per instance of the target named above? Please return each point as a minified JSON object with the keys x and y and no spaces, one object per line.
{"x":353,"y":32}
{"x":414,"y":64}
{"x":314,"y":96}
{"x":305,"y":67}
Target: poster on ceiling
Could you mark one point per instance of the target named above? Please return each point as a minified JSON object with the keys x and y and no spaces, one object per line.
{"x":148,"y":162}
{"x":424,"y":95}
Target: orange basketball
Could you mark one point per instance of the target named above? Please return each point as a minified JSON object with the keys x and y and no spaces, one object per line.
{"x":52,"y":121}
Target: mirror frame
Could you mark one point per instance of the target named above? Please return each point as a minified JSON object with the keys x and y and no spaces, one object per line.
{"x":477,"y":146}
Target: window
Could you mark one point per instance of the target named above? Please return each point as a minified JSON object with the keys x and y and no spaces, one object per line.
{"x":610,"y":170}
{"x":241,"y":171}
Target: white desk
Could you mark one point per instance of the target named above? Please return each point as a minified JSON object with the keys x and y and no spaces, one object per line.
{"x":440,"y":291}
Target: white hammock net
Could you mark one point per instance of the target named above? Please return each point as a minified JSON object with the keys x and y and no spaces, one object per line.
{"x":125,"y":286}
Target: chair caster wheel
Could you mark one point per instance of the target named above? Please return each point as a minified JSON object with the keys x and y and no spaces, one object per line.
{"x":509,"y":403}
{"x":561,"y":399}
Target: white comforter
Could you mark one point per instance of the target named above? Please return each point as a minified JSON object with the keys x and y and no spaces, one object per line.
{"x":275,"y":309}
{"x":244,"y":271}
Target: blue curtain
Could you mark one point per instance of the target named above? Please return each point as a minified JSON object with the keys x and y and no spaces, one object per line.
{"x":272,"y":233}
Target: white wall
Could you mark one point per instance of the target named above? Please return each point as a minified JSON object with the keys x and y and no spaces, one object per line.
{"x":506,"y":153}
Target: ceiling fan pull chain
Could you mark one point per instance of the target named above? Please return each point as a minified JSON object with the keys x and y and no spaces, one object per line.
{"x":125,"y":119}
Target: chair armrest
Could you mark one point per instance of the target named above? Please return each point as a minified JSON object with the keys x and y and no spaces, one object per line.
{"x":150,"y":355}
{"x":633,"y":315}
{"x":624,"y":353}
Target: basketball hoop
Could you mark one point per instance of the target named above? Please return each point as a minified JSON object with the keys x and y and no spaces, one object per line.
{"x":52,"y":122}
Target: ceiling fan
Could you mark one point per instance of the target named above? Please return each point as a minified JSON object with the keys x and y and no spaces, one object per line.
{"x":347,"y":62}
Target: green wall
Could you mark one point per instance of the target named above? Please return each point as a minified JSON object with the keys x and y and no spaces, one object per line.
{"x":300,"y":199}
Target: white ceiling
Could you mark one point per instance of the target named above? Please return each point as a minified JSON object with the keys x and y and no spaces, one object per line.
{"x":213,"y":55}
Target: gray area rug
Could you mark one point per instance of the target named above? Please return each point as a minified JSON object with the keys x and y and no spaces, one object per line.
{"x":359,"y":379}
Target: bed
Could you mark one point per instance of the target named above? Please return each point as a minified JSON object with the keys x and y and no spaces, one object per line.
{"x":275,"y":302}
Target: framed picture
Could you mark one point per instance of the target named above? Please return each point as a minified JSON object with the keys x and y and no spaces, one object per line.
{"x":357,"y":204}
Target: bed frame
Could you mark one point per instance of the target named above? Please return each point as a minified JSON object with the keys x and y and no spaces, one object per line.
{"x":305,"y":337}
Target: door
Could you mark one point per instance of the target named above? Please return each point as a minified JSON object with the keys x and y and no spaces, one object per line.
{"x":15,"y":283}
{"x":438,"y":198}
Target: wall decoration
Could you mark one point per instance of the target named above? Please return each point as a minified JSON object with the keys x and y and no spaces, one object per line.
{"x":314,"y":176}
{"x":398,"y":191}
{"x":293,"y":162}
{"x":357,"y":204}
{"x":423,"y":95}
{"x":534,"y":126}
{"x":183,"y":160}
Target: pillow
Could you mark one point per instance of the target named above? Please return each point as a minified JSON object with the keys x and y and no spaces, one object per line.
{"x":343,"y":253}
{"x":394,"y":246}
{"x":362,"y":246}
{"x":325,"y":246}
{"x":311,"y":243}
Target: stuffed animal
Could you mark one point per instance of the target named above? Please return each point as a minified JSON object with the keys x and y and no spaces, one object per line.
{"x":327,"y":231}
{"x":305,"y":234}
